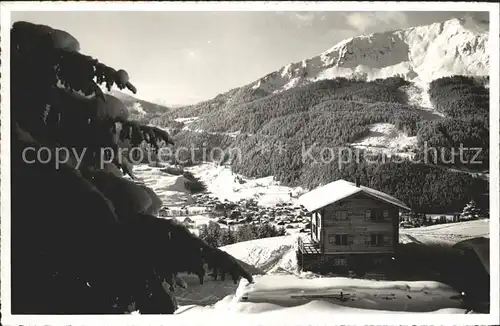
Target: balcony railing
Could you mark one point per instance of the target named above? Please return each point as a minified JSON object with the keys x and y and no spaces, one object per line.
{"x":308,"y":247}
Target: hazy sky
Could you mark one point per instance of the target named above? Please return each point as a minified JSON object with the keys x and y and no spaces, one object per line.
{"x":186,"y":57}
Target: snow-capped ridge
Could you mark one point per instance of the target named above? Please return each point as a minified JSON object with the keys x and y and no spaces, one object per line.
{"x":421,"y":54}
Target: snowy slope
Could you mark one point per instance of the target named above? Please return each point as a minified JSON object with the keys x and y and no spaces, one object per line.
{"x":386,"y":138}
{"x":137,"y":108}
{"x":284,"y":292}
{"x":272,"y":255}
{"x":449,"y":234}
{"x":419,"y":54}
{"x":165,"y":185}
{"x":221,"y":183}
{"x":225,"y":184}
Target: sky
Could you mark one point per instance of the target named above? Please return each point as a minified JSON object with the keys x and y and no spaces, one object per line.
{"x":179,"y":58}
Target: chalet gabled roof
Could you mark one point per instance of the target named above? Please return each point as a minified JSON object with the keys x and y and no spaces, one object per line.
{"x":338,"y":190}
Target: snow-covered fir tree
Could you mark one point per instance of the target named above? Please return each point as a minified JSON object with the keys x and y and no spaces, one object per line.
{"x":470,"y":212}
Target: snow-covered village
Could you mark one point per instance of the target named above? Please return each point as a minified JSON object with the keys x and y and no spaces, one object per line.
{"x":212,"y":164}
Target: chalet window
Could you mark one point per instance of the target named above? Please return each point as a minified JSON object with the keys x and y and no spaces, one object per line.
{"x":376,"y":239}
{"x":340,"y":239}
{"x":340,"y":262}
{"x":378,"y":215}
{"x":368,"y":214}
{"x":341,"y":215}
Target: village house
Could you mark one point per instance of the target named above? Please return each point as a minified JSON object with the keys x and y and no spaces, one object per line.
{"x":354,"y":229}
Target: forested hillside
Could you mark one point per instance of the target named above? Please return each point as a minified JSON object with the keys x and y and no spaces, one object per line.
{"x":250,"y":117}
{"x":231,"y":98}
{"x":465,"y":103}
{"x":302,"y":136}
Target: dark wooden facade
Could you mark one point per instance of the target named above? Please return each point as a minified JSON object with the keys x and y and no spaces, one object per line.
{"x":358,"y":234}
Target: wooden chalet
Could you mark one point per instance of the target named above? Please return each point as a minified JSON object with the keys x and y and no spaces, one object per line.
{"x":354,"y":228}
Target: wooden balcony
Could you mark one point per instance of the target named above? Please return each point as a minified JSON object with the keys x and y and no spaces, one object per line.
{"x":308,"y":247}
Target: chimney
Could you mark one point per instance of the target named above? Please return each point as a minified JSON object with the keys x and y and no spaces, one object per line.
{"x":357,"y":181}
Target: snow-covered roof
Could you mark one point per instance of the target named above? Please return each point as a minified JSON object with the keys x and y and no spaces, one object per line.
{"x":338,"y":190}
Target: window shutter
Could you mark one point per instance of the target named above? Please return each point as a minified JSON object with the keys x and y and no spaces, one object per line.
{"x":350,"y":239}
{"x":387,"y":240}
